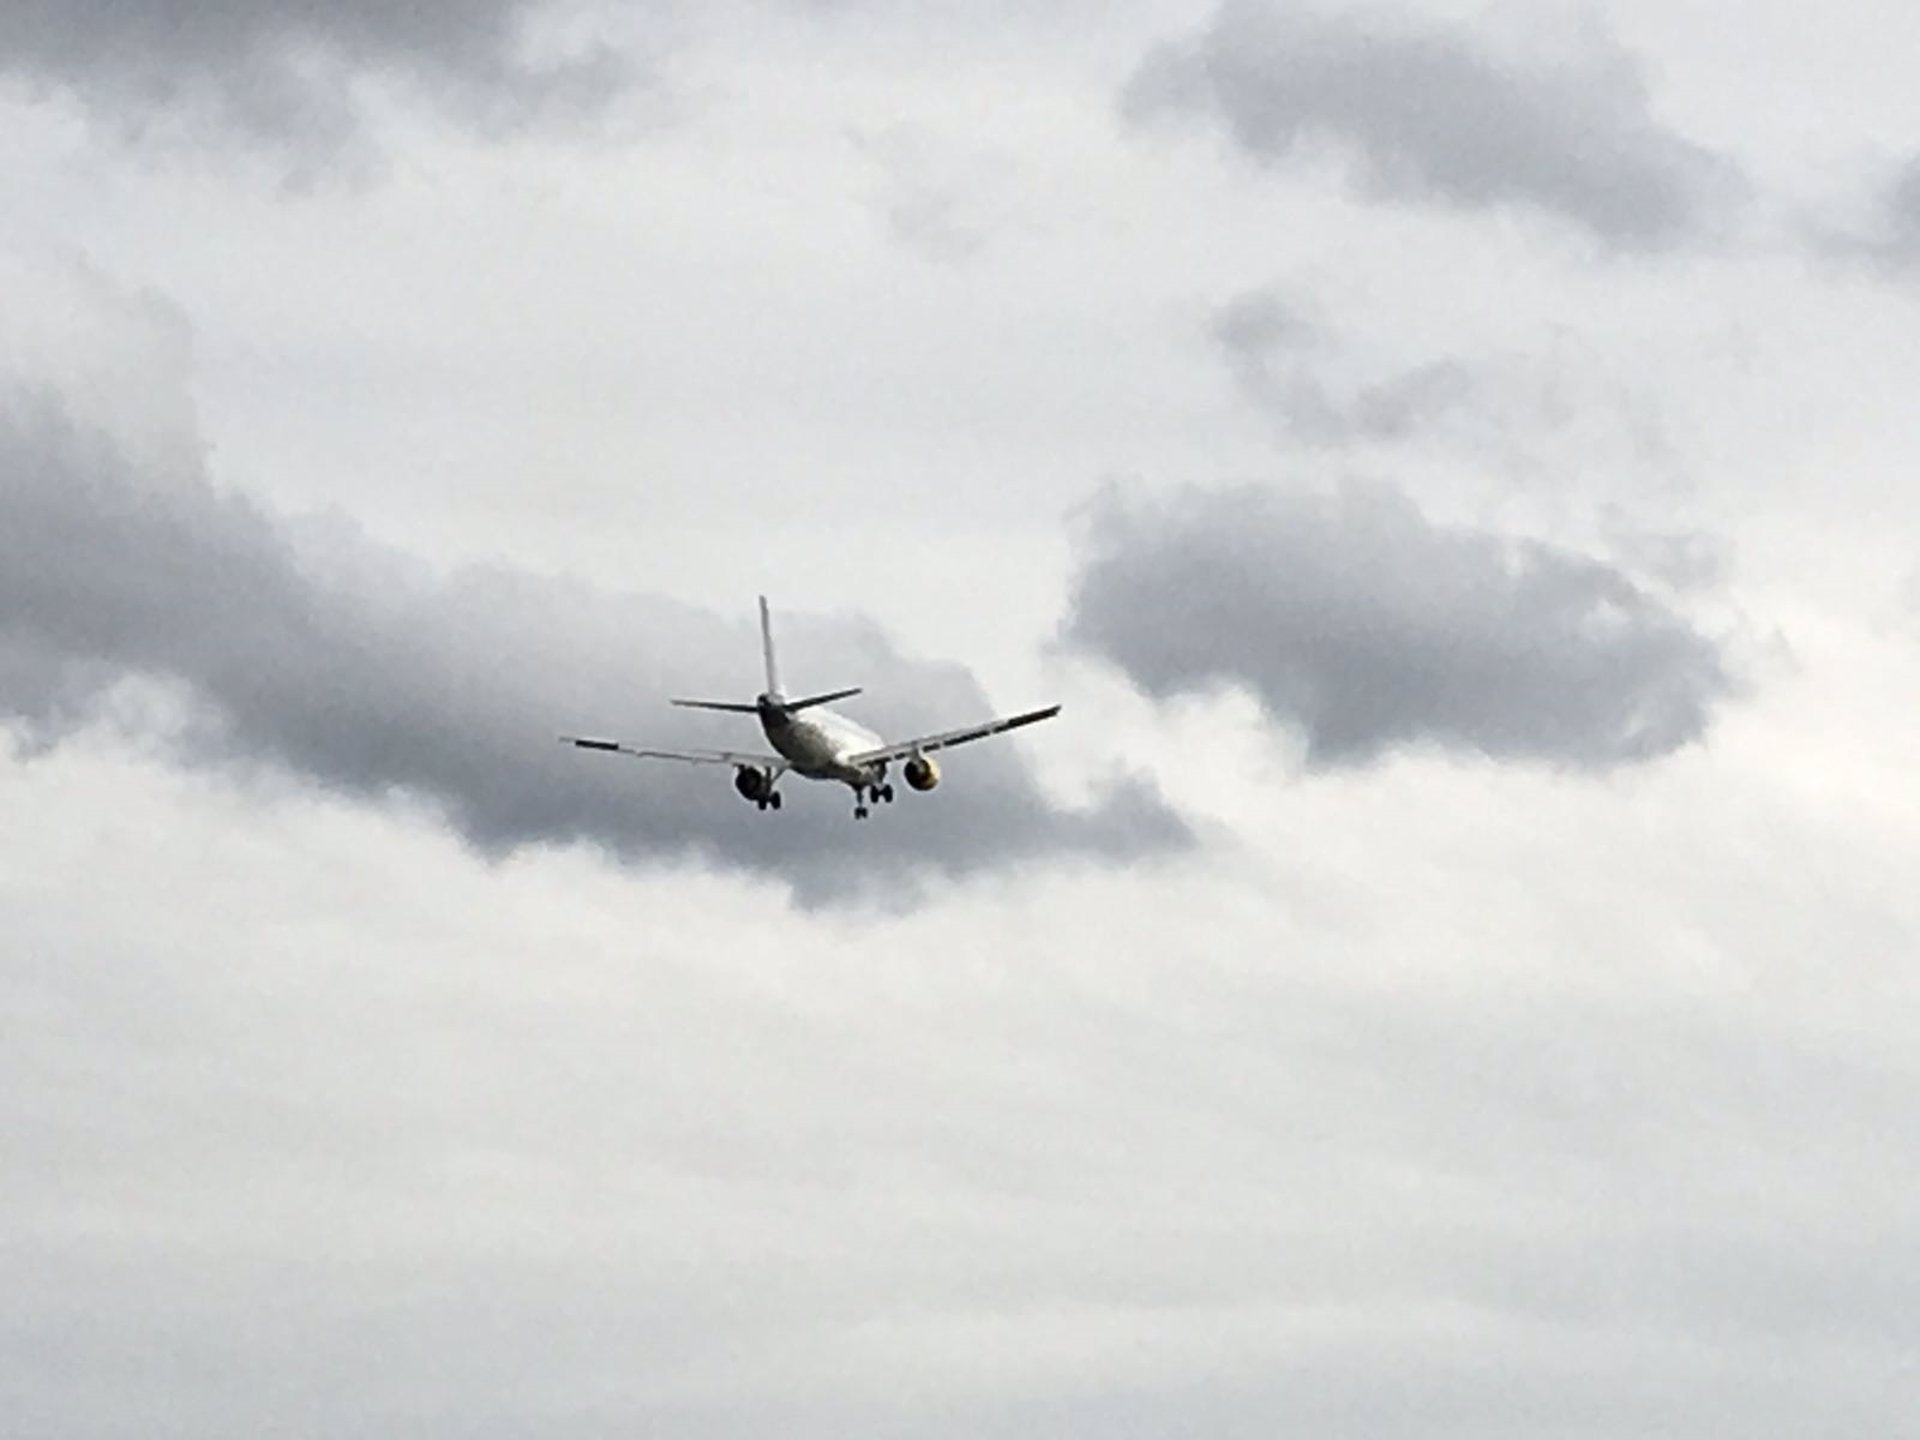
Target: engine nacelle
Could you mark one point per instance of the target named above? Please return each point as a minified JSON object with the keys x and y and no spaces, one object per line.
{"x":921,"y":773}
{"x":753,"y":783}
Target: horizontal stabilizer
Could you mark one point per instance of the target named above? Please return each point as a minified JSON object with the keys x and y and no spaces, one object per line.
{"x":735,"y":707}
{"x":812,"y":700}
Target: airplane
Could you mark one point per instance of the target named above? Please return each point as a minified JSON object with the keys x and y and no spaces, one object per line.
{"x":816,"y":743}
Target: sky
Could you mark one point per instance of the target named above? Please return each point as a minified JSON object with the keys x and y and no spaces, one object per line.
{"x":1447,"y":972}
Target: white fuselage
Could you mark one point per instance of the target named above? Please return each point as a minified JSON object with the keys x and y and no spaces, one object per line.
{"x":819,"y":744}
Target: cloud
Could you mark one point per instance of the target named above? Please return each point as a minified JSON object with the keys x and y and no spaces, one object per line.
{"x":1272,"y":351}
{"x":1519,"y":412}
{"x":1372,"y":628}
{"x":1890,"y":239}
{"x":339,"y":1141}
{"x":287,"y":71}
{"x":1900,"y":218}
{"x":1432,"y":114}
{"x":139,"y":592}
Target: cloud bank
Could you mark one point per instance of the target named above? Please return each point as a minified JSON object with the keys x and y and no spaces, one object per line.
{"x":1429,"y":113}
{"x":132,"y":588}
{"x":1370,"y":628}
{"x":288,"y":71}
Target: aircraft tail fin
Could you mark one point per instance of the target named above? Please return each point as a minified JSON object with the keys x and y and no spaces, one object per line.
{"x":766,"y":650}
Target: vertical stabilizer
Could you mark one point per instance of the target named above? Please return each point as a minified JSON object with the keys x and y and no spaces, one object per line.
{"x":766,"y":652}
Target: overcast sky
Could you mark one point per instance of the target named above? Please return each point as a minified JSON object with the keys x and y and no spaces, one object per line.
{"x":1449,"y":971}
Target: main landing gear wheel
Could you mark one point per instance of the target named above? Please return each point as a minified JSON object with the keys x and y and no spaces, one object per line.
{"x":766,"y":802}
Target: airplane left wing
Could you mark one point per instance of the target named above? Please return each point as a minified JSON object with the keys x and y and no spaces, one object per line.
{"x":928,"y":743}
{"x":774,"y":763}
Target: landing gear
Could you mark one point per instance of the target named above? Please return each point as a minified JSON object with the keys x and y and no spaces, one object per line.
{"x":769,"y":802}
{"x":880,"y":794}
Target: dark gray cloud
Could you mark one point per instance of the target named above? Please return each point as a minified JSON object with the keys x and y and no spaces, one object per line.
{"x":1430,"y":113}
{"x":1276,"y":356}
{"x":286,"y":70}
{"x":1371,"y":628}
{"x":308,"y":650}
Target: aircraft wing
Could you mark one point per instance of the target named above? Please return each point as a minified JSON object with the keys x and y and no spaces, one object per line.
{"x":948,"y":738}
{"x":774,"y":763}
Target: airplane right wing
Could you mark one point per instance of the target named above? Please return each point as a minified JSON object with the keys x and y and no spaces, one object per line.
{"x":774,"y":763}
{"x":927,"y":743}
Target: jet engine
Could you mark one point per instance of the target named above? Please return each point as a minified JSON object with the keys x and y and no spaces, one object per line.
{"x":922,"y":774}
{"x":755,"y":786}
